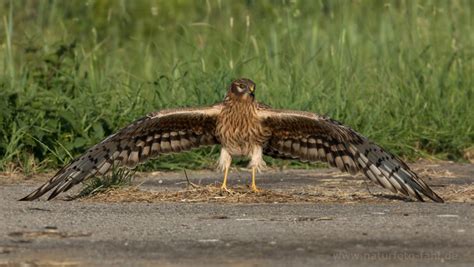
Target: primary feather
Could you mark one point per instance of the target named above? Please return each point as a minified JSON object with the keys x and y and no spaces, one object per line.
{"x":158,"y":133}
{"x":309,"y":137}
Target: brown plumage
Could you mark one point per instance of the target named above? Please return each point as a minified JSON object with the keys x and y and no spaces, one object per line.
{"x":244,"y":127}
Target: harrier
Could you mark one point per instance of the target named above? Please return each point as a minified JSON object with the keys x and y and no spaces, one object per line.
{"x":243,"y":127}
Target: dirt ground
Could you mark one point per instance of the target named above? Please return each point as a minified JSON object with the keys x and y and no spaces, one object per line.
{"x":301,"y":217}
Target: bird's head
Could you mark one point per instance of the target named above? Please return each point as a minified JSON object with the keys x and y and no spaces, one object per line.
{"x":242,"y":88}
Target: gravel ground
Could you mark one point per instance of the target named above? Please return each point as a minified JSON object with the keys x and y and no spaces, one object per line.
{"x":357,"y":229}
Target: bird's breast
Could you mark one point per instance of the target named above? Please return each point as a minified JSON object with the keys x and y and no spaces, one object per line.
{"x":239,"y":130}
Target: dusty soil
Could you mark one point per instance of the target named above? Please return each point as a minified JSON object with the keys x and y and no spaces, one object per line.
{"x":301,"y":217}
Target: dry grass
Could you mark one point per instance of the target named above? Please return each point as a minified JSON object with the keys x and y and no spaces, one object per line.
{"x":469,"y":154}
{"x":458,"y":193}
{"x":213,"y":194}
{"x":332,"y":187}
{"x":323,"y":194}
{"x":19,"y":177}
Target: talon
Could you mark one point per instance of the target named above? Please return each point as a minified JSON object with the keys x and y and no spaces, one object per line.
{"x":255,"y":189}
{"x":224,"y":183}
{"x":224,"y":188}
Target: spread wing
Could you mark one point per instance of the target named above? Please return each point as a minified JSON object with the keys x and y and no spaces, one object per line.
{"x":309,"y":137}
{"x":157,"y":133}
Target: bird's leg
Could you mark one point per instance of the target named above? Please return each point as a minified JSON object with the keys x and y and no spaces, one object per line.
{"x":224,"y":164}
{"x":224,"y":183}
{"x":256,"y":162}
{"x":254,"y":185}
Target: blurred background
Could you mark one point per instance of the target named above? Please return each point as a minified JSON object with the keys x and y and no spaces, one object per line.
{"x":73,"y":72}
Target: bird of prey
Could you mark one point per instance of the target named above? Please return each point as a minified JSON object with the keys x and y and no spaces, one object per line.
{"x":243,"y":127}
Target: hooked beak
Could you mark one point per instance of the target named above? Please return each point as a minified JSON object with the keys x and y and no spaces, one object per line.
{"x":252,"y":90}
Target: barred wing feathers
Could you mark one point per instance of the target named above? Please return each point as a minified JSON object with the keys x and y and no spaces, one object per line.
{"x":309,"y":137}
{"x":157,"y":133}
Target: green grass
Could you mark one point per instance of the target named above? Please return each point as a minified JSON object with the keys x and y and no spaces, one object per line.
{"x":73,"y":72}
{"x":117,"y":178}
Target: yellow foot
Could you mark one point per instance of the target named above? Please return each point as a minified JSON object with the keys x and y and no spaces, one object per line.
{"x":254,"y":185}
{"x":255,"y":189}
{"x":224,"y":183}
{"x":224,"y":188}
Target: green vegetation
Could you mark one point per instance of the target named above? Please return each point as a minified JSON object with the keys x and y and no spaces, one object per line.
{"x":118,"y":177}
{"x":73,"y":72}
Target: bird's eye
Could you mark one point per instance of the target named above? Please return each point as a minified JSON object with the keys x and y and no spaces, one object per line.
{"x":240,"y":88}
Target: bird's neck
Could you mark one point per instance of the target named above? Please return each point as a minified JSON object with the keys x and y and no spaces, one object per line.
{"x":241,"y":105}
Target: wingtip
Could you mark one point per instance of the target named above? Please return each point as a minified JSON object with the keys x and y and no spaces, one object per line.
{"x":37,"y":193}
{"x":29,"y":197}
{"x":32,"y":197}
{"x":436,"y":198}
{"x":429,"y":193}
{"x":53,"y":195}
